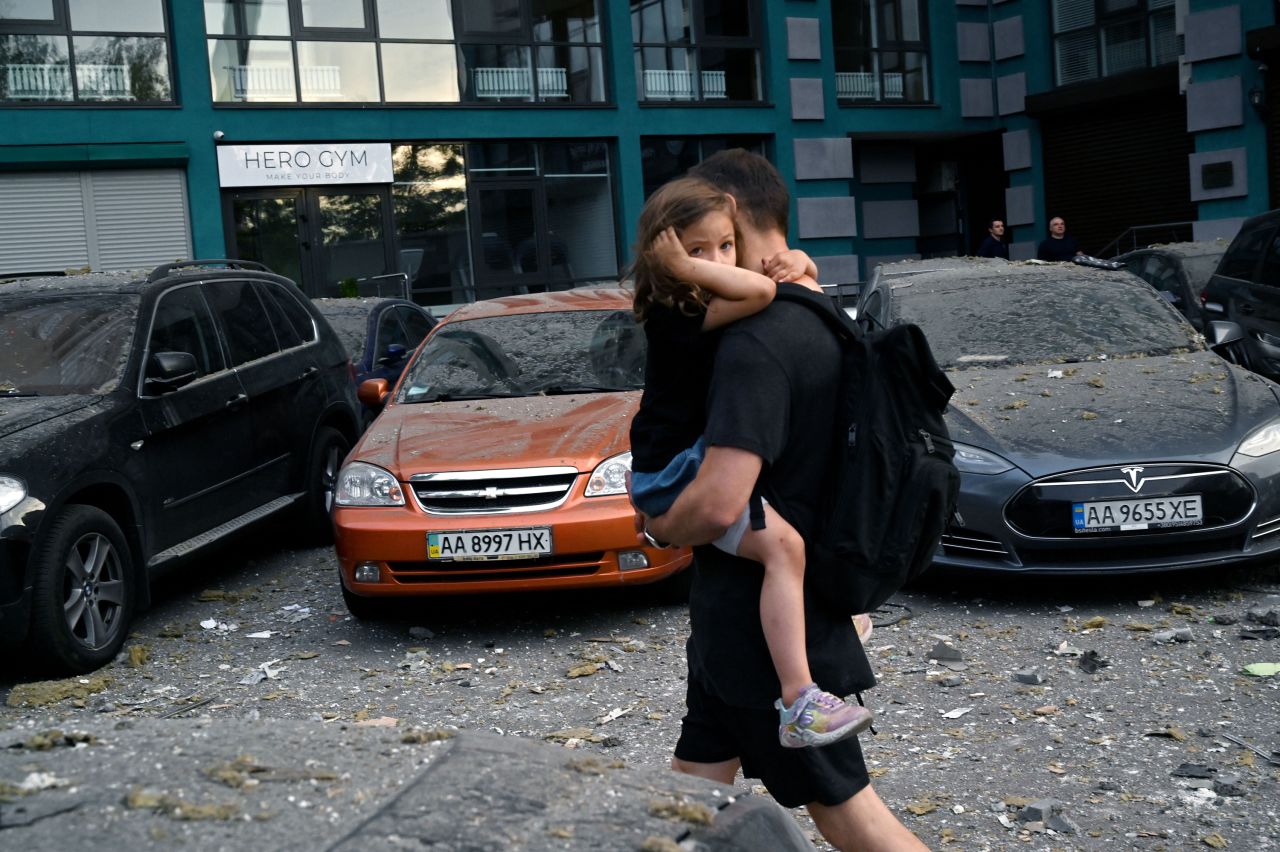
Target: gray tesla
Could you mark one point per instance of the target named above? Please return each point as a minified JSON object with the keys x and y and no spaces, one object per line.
{"x":1095,"y":430}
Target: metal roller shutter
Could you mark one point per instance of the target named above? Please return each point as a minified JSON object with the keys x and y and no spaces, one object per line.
{"x":140,"y":218}
{"x":42,"y":227}
{"x":1109,"y":168}
{"x":106,"y":220}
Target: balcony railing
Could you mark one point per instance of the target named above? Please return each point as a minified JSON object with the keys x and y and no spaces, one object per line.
{"x":662,"y":85}
{"x":518,"y":83}
{"x":274,"y":82}
{"x":863,"y":85}
{"x":53,"y":82}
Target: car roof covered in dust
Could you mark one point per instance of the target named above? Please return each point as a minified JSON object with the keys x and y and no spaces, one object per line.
{"x":101,"y":282}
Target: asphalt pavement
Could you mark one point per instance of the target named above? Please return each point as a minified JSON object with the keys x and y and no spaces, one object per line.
{"x":248,"y":711}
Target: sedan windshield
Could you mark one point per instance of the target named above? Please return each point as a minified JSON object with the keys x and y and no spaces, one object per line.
{"x":1034,"y":319}
{"x":59,"y":344}
{"x":559,"y":352}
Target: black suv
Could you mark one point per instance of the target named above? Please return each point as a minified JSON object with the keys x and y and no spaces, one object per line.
{"x":1246,"y":289}
{"x":143,"y":418}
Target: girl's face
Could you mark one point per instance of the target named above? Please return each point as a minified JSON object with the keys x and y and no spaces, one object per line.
{"x":711,"y":238}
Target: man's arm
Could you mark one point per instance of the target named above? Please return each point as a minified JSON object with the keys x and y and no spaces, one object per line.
{"x":713,"y":501}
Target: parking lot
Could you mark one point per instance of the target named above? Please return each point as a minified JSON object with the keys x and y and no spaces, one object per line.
{"x":1061,"y":689}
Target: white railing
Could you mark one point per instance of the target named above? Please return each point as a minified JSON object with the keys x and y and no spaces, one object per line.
{"x":276,"y":81}
{"x":662,"y":85}
{"x":863,"y":85}
{"x":518,"y":83}
{"x":38,"y":82}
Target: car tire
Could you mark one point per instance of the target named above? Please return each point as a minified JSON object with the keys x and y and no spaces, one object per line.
{"x":82,"y":596}
{"x":360,"y":607}
{"x":328,"y":450}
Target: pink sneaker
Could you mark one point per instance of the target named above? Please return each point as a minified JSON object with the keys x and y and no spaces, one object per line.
{"x":819,"y":718}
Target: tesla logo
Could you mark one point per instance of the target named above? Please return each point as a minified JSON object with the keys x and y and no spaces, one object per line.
{"x":1133,"y":478}
{"x":491,"y":493}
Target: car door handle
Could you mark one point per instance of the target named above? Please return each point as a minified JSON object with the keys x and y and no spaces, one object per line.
{"x":236,"y":401}
{"x":311,"y":372}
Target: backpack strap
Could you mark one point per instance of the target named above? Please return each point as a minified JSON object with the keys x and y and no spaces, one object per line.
{"x":755,"y":509}
{"x":840,"y":323}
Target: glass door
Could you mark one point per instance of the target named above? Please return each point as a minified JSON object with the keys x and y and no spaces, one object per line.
{"x":349,"y":236}
{"x":265,"y":228}
{"x":508,"y":257}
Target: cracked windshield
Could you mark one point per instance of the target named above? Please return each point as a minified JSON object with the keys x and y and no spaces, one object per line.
{"x":528,"y":354}
{"x":57,"y":345}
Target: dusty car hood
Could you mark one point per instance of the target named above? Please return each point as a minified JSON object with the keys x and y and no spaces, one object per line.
{"x":1103,"y":412}
{"x":579,"y":430}
{"x":22,"y":412}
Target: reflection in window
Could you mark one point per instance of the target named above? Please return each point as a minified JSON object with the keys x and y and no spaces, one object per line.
{"x":251,"y":71}
{"x":696,"y":50}
{"x":246,"y":17}
{"x":337,"y":71}
{"x":663,"y":158}
{"x":881,"y":51}
{"x":49,"y":62}
{"x":420,"y":73}
{"x":430,"y":202}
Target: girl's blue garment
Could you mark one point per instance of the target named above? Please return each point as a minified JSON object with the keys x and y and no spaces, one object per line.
{"x":653,"y":493}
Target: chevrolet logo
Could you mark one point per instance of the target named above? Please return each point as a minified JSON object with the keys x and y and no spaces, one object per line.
{"x":1133,"y":478}
{"x":491,"y":493}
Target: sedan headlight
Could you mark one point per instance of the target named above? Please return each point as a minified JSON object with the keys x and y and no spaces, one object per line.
{"x":12,"y":492}
{"x":361,"y":484}
{"x":610,"y":476}
{"x":973,"y":460}
{"x":1262,"y":442}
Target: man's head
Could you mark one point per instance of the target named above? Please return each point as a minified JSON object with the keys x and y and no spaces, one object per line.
{"x":761,"y":193}
{"x":1057,"y":227}
{"x":996,"y":228}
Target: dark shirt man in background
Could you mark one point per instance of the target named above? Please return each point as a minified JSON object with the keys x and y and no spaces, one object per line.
{"x":994,"y":245}
{"x":1059,"y":246}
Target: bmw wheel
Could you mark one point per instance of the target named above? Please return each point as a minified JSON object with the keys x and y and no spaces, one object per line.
{"x":328,"y":450}
{"x":83,"y":591}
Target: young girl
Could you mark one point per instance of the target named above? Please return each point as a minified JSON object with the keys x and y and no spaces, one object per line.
{"x":687,"y":287}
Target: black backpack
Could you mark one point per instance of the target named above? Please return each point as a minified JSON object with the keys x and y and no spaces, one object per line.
{"x":895,"y":484}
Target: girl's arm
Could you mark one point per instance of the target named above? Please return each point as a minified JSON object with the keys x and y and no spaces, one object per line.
{"x":790,"y":265}
{"x":735,"y":292}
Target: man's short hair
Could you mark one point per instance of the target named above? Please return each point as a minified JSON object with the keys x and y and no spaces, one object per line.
{"x":992,"y":223}
{"x":753,"y":182}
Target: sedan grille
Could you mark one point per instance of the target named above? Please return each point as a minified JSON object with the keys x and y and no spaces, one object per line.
{"x":1043,"y":509}
{"x":492,"y":492}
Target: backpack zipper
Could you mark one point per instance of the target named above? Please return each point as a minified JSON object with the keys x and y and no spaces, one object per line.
{"x":929,"y":438}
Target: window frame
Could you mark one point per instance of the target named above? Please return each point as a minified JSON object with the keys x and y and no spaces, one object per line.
{"x":60,"y":26}
{"x":881,"y":45}
{"x":699,"y":42}
{"x":213,"y":325}
{"x":1142,"y":13}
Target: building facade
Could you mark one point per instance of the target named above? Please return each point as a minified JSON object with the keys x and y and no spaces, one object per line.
{"x":485,"y":147}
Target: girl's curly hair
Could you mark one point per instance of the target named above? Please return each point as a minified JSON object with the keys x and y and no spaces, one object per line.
{"x":677,"y":204}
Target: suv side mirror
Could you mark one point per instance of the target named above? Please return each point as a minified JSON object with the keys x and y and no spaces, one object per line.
{"x":168,"y":371}
{"x":1222,"y":333}
{"x":394,"y":355}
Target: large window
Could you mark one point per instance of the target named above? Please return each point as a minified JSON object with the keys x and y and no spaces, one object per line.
{"x":881,"y":51}
{"x":663,"y":158}
{"x":1101,"y":38}
{"x":84,"y":51}
{"x":405,"y":51}
{"x":697,"y":50}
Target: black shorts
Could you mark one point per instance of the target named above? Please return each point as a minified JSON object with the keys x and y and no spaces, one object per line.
{"x":713,"y":732}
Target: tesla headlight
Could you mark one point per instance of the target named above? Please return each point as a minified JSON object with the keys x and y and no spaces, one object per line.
{"x":361,"y":484}
{"x":1262,"y":442}
{"x":973,"y":460}
{"x":610,"y":476}
{"x":12,"y":492}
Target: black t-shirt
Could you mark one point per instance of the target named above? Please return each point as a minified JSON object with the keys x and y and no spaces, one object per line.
{"x":677,"y":373}
{"x":992,"y":247}
{"x":1063,"y":249}
{"x":772,"y":395}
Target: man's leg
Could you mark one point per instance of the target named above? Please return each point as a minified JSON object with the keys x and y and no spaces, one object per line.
{"x":863,"y":823}
{"x":724,"y":771}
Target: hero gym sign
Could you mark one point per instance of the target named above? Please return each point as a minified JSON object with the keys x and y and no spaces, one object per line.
{"x":298,"y":165}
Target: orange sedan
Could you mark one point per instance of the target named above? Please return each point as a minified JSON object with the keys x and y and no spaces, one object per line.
{"x":499,"y":461}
